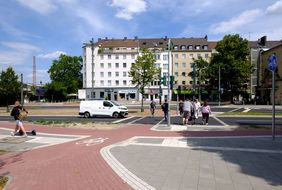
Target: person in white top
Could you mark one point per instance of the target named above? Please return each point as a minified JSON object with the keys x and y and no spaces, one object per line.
{"x":197,"y":108}
{"x":187,"y":107}
{"x":206,"y":111}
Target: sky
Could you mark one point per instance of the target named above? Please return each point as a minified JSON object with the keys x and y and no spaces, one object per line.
{"x":48,"y":28}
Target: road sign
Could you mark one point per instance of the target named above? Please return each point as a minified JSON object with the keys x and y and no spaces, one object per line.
{"x":272,"y":62}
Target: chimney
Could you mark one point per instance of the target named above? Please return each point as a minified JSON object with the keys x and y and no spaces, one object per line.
{"x":135,"y":37}
{"x":125,"y":38}
{"x":99,"y":39}
{"x":106,"y":38}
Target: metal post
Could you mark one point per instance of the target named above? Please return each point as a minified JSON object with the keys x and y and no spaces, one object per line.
{"x":22,"y":101}
{"x":194,"y":81}
{"x":92,"y":62}
{"x":219,"y":85}
{"x":168,"y":84}
{"x":273,"y":105}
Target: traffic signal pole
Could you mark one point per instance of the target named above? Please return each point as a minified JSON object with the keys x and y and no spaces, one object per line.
{"x":168,"y":89}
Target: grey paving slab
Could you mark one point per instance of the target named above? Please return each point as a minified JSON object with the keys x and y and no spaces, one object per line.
{"x":187,"y":168}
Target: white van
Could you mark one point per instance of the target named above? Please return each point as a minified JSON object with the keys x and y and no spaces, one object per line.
{"x":90,"y":108}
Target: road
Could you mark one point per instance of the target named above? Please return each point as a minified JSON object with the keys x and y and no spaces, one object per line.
{"x":177,"y":120}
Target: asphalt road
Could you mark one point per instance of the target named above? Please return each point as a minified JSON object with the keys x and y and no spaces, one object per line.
{"x":219,"y":121}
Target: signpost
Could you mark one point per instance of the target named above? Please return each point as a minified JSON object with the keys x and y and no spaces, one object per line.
{"x":272,"y":65}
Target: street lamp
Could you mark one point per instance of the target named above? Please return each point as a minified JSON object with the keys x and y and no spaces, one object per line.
{"x":219,"y":90}
{"x":92,"y":62}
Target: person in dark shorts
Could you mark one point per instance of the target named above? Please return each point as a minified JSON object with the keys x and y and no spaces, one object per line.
{"x":165,"y":109}
{"x":152,"y":108}
{"x":180,"y":107}
{"x":19,"y":123}
{"x":187,"y":106}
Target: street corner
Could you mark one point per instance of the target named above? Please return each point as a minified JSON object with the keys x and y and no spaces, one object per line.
{"x":20,"y":143}
{"x":164,"y":162}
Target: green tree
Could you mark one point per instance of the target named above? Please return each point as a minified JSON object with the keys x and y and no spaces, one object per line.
{"x":201,"y":72}
{"x":232,"y":59}
{"x":143,"y":72}
{"x":66,"y":77}
{"x":9,"y":86}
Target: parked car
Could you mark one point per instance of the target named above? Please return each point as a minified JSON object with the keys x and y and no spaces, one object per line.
{"x":90,"y":108}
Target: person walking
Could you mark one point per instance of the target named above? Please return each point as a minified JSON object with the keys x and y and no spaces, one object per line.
{"x":165,"y":109}
{"x":187,"y":106}
{"x":16,"y":113}
{"x":180,"y":107}
{"x":197,"y":108}
{"x":206,"y":111}
{"x":152,"y":108}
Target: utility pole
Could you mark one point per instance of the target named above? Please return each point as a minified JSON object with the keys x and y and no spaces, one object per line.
{"x":22,"y":100}
{"x":92,"y":63}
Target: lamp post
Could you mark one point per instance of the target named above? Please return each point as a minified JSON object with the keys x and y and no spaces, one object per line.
{"x":168,"y":82}
{"x":92,"y":63}
{"x":219,"y":85}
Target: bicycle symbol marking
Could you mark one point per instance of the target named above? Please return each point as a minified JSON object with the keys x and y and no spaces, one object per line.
{"x":90,"y":142}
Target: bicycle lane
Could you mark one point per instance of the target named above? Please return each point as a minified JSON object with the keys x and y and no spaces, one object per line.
{"x":74,"y":165}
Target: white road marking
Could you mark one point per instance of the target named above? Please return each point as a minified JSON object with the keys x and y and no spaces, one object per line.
{"x":90,"y":142}
{"x":247,"y":110}
{"x":136,"y":120}
{"x":118,"y":121}
{"x":220,"y":121}
{"x":234,"y":110}
{"x":156,"y":126}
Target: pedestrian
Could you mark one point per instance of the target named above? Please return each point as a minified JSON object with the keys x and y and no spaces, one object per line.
{"x":180,"y":107}
{"x":165,"y":109}
{"x":18,"y":116}
{"x":152,"y":108}
{"x":197,"y":108}
{"x":187,"y":106}
{"x":206,"y":111}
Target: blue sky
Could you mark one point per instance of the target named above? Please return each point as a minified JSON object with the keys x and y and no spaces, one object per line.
{"x":47,"y":28}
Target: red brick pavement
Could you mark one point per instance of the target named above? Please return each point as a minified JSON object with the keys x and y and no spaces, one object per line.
{"x":70,"y":166}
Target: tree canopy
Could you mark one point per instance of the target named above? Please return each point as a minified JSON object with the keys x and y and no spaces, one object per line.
{"x":66,"y":77}
{"x":9,"y":86}
{"x":232,"y":59}
{"x":143,"y":71}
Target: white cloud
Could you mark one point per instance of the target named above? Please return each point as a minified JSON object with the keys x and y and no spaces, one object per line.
{"x":127,"y":8}
{"x":275,"y":8}
{"x":41,"y":6}
{"x":52,"y":55}
{"x":16,"y":53}
{"x":237,"y":22}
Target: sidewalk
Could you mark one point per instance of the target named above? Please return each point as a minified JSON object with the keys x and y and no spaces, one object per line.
{"x":135,"y":157}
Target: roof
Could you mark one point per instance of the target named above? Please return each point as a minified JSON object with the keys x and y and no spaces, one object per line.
{"x":269,"y":44}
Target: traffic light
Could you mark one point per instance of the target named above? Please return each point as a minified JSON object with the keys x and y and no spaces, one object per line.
{"x":161,"y":92}
{"x":171,"y":82}
{"x":163,"y":80}
{"x":169,"y":45}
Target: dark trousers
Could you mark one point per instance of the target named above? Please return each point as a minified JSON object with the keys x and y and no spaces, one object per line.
{"x":165,"y":115}
{"x":205,"y":117}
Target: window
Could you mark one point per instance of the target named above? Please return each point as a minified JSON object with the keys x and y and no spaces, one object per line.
{"x":206,"y":55}
{"x":199,"y":55}
{"x":124,"y":65}
{"x":102,"y":65}
{"x":102,"y":82}
{"x":176,"y":65}
{"x":109,"y":74}
{"x":191,"y":56}
{"x":184,"y":56}
{"x":197,"y":47}
{"x":165,"y":57}
{"x":124,"y":56}
{"x":101,"y":74}
{"x":124,"y":74}
{"x":101,"y":94}
{"x":117,"y":56}
{"x":107,"y":104}
{"x":176,"y":56}
{"x":175,"y":47}
{"x":183,"y":47}
{"x":157,"y":65}
{"x":109,"y":83}
{"x":117,"y":65}
{"x":176,"y":74}
{"x":165,"y":66}
{"x":117,"y":74}
{"x":109,"y":56}
{"x":191,"y":82}
{"x":183,"y":74}
{"x":190,"y":47}
{"x":109,"y":65}
{"x":184,"y":65}
{"x":117,"y":82}
{"x":101,"y":57}
{"x":132,"y":56}
{"x":124,"y":83}
{"x":158,"y":56}
{"x":183,"y":82}
{"x":205,"y":47}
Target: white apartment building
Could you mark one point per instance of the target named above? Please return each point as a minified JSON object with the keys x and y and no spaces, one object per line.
{"x":112,"y":60}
